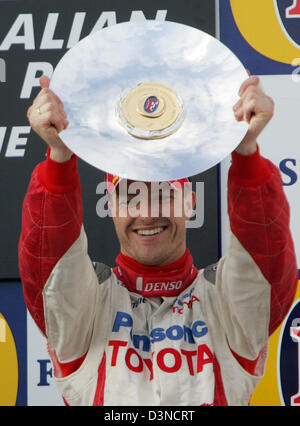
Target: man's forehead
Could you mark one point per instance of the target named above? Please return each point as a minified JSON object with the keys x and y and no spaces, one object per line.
{"x":113,"y":183}
{"x":128,"y":186}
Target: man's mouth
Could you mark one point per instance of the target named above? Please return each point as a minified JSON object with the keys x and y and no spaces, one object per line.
{"x":153,"y":231}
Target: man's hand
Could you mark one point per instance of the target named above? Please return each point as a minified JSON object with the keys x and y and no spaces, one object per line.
{"x":256,"y":108}
{"x":48,"y":118}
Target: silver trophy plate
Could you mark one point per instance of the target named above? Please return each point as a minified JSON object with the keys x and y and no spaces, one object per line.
{"x":150,"y":101}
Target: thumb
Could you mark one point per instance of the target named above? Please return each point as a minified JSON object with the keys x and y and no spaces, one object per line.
{"x":44,"y":81}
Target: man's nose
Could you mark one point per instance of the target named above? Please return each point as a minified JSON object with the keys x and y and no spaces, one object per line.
{"x":145,"y":208}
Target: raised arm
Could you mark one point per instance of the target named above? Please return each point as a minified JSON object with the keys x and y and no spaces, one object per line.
{"x":259,"y":274}
{"x":58,"y":277}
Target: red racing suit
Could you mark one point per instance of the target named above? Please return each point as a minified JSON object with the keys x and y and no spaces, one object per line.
{"x":206,"y":344}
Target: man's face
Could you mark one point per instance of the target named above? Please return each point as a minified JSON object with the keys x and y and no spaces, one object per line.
{"x":150,"y":223}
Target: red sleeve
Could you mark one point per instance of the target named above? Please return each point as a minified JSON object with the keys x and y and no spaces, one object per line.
{"x":259,"y":217}
{"x":51,"y":222}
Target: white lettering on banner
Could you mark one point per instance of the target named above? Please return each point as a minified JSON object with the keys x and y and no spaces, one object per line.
{"x":31,"y":80}
{"x":47,"y":41}
{"x":24,"y":25}
{"x":106,"y":18}
{"x":16,"y":144}
{"x":12,"y":37}
{"x":15,"y":141}
{"x":76,"y":29}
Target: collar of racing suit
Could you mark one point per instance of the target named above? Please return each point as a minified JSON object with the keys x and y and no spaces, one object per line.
{"x":156,"y":281}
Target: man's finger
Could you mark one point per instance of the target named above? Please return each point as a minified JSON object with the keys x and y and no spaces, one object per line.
{"x":50,"y":119}
{"x":47,"y":97}
{"x":58,"y":100}
{"x":251,"y":81}
{"x":237,"y":105}
{"x":44,"y":81}
{"x":239,"y":114}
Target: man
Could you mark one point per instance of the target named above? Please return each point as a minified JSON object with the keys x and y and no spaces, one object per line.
{"x":154,"y":330}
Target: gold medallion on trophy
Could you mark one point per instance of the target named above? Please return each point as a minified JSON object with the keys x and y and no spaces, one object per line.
{"x":151,"y":111}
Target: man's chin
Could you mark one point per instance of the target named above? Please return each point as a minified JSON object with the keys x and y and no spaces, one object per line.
{"x":160,"y":258}
{"x":150,"y":260}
